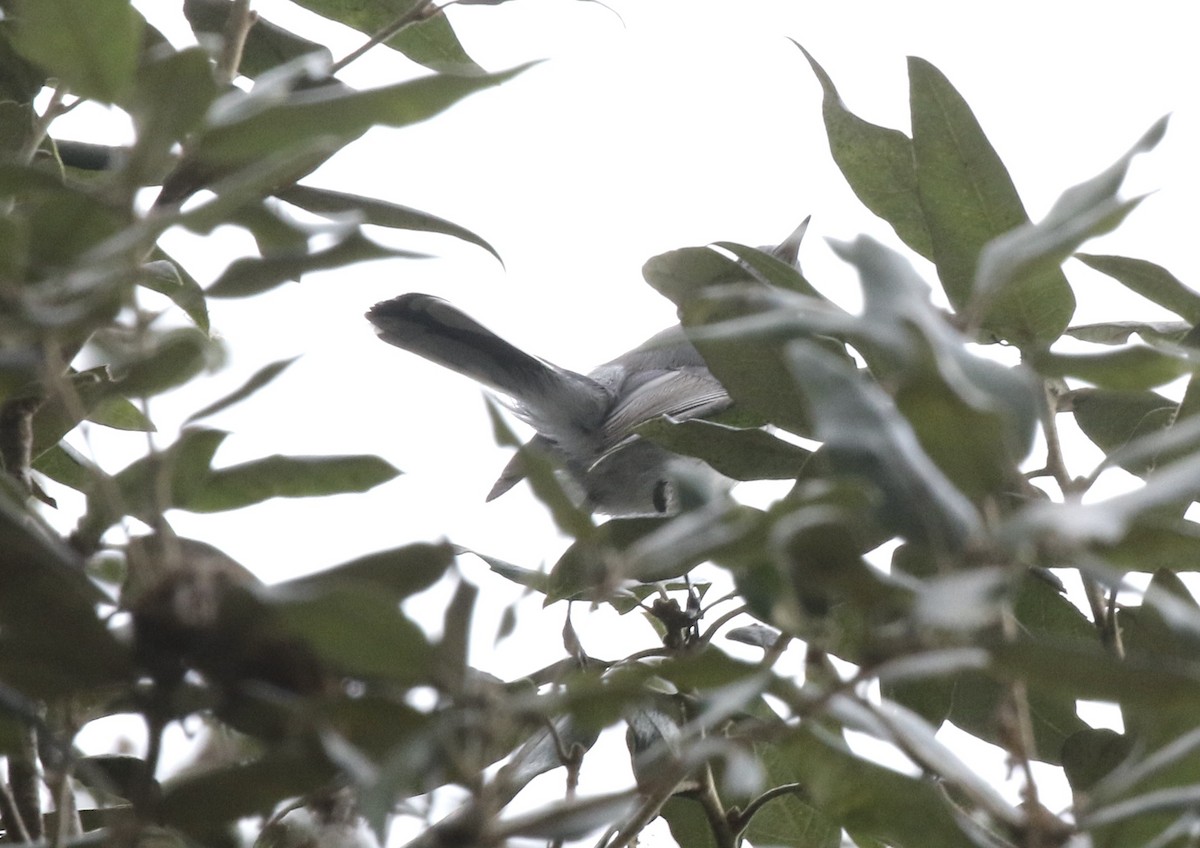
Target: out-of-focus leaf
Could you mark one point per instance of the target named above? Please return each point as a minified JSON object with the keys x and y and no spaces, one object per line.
{"x":1091,"y":754}
{"x":267,"y":44}
{"x":167,"y":277}
{"x":877,"y":162}
{"x":42,"y":661}
{"x":738,"y":453}
{"x":171,"y":95}
{"x":162,"y":362}
{"x":1126,"y":369}
{"x":861,"y":796}
{"x":758,"y":635}
{"x":400,"y":571}
{"x":567,"y":820}
{"x":1151,"y":281}
{"x":536,"y":580}
{"x":356,"y":629}
{"x":379,"y":212}
{"x":969,"y":199}
{"x":260,"y":378}
{"x":252,"y":275}
{"x":63,"y":464}
{"x":203,"y":803}
{"x":1038,"y":250}
{"x":1114,"y":419}
{"x":94,"y":53}
{"x":585,"y":570}
{"x":771,"y":269}
{"x":1118,"y":332}
{"x":85,"y":395}
{"x":274,"y":231}
{"x":277,"y":476}
{"x":865,"y":437}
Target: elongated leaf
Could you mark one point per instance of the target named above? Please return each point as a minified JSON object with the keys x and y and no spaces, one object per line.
{"x":91,"y":45}
{"x":877,"y":162}
{"x":400,"y":571}
{"x":260,"y":378}
{"x":380,"y":212}
{"x":737,"y":453}
{"x":286,"y":477}
{"x":167,"y":277}
{"x":1038,"y":250}
{"x":1128,"y":369}
{"x":88,"y":395}
{"x":1114,"y":419}
{"x":969,"y":199}
{"x":1119,"y":332}
{"x":250,"y":276}
{"x":1151,"y":281}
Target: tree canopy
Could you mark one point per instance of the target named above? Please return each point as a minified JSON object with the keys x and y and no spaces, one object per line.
{"x":918,"y":561}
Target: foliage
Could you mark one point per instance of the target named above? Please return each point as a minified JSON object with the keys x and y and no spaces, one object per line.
{"x":922,"y":444}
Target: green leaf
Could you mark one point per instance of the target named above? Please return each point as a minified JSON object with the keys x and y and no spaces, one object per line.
{"x":969,"y":199}
{"x":877,"y":162}
{"x":737,"y":453}
{"x":260,"y":126}
{"x":277,"y":476}
{"x":379,"y":212}
{"x":1038,"y":250}
{"x":1153,"y":282}
{"x":429,"y":41}
{"x":167,"y":277}
{"x":400,"y":572}
{"x":261,"y":377}
{"x":865,"y":437}
{"x":90,"y":395}
{"x":250,"y":276}
{"x":91,"y":45}
{"x":356,"y":629}
{"x":1113,"y":419}
{"x":1119,"y":332}
{"x":166,"y":361}
{"x":1127,"y":369}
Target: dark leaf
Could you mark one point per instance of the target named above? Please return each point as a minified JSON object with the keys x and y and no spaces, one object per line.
{"x":1129,"y":368}
{"x":1114,"y":419}
{"x":167,"y":277}
{"x":277,"y":476}
{"x":1119,"y":332}
{"x":737,"y":453}
{"x":379,"y":212}
{"x":260,"y":378}
{"x":267,"y":44}
{"x":400,"y":572}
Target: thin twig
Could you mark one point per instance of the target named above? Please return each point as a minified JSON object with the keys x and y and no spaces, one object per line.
{"x":741,"y":818}
{"x":420,"y":11}
{"x":10,"y":817}
{"x":237,"y":27}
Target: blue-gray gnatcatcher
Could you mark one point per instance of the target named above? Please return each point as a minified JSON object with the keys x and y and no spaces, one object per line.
{"x":586,"y":422}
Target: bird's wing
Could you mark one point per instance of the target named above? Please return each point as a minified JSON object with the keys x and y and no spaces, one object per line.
{"x":683,"y":393}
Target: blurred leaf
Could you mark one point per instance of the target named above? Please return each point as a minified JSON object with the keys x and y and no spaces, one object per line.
{"x":771,"y":269}
{"x":1038,"y":250}
{"x":969,"y":199}
{"x":528,"y":577}
{"x":379,"y":212}
{"x":42,"y":661}
{"x":162,"y":362}
{"x":203,"y":803}
{"x":865,"y":437}
{"x":274,"y":230}
{"x":1113,"y":419}
{"x":267,"y":44}
{"x":63,"y":464}
{"x":1151,"y":281}
{"x":167,"y":277}
{"x":878,"y":164}
{"x":86,"y":395}
{"x":250,"y":276}
{"x":248,"y":483}
{"x":356,"y":629}
{"x":1091,"y":754}
{"x":737,"y":453}
{"x":1126,"y":369}
{"x":1119,"y":332}
{"x":91,"y":46}
{"x":171,"y":95}
{"x":260,"y":378}
{"x":401,"y":572}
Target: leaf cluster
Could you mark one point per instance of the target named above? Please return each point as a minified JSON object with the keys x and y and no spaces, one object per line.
{"x":929,"y":521}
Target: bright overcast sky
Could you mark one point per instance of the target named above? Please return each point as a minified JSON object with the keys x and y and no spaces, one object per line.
{"x":679,"y":122}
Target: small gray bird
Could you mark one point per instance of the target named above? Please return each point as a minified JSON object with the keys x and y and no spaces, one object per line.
{"x":586,"y":422}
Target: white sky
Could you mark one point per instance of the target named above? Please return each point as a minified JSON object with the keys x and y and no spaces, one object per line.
{"x":692,"y":121}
